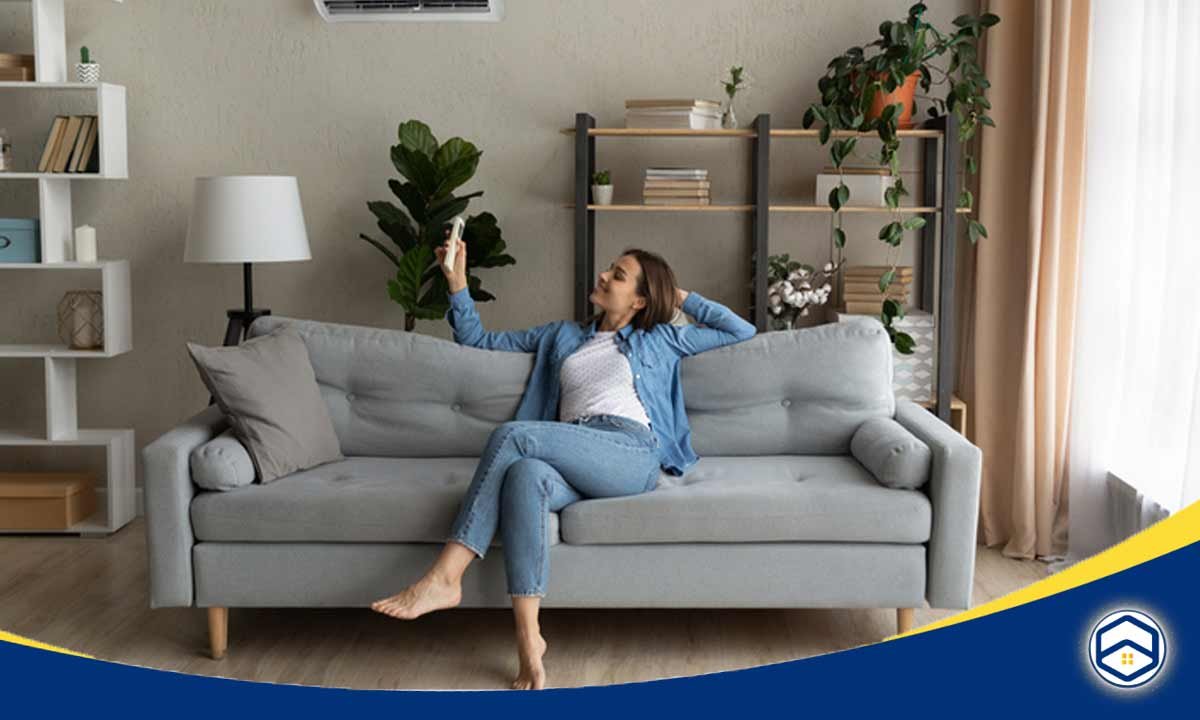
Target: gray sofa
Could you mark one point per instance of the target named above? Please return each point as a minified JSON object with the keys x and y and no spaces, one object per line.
{"x":777,"y":513}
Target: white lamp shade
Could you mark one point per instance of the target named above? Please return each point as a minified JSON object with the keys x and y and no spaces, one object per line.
{"x":246,"y":219}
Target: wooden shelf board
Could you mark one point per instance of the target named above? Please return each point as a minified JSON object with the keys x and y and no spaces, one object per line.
{"x":743,"y":133}
{"x":813,"y":133}
{"x":772,"y":208}
{"x":863,"y":209}
{"x":57,"y":351}
{"x":664,"y":132}
{"x":956,"y":403}
{"x":668,"y":208}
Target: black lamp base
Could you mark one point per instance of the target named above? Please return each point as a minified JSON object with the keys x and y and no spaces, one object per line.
{"x":239,"y":324}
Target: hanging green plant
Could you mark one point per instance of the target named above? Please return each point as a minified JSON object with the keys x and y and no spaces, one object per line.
{"x":432,"y":173}
{"x":864,"y":91}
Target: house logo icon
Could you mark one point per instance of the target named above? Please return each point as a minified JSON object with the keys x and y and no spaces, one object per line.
{"x":1127,"y":648}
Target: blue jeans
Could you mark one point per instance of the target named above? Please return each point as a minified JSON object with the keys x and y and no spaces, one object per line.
{"x":531,"y":468}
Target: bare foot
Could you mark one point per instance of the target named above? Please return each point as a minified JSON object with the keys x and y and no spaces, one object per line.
{"x":425,"y":595}
{"x":532,"y":675}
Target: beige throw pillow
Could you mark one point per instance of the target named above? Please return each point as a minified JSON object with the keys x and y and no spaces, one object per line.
{"x":267,"y":389}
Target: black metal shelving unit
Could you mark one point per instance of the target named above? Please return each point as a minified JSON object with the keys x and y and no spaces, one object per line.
{"x":937,"y":238}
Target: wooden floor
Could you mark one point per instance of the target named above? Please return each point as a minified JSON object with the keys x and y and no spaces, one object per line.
{"x":90,"y":595}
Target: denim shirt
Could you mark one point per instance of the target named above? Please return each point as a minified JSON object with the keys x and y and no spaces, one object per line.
{"x":653,"y":354}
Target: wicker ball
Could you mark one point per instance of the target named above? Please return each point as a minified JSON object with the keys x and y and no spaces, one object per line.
{"x":81,"y":320}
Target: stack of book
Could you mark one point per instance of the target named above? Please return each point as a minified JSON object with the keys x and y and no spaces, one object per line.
{"x":860,"y":288}
{"x":675,"y":186}
{"x":72,"y":145}
{"x":674,"y":114}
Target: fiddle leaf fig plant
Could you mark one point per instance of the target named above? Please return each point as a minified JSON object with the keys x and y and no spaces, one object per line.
{"x":432,"y":172}
{"x":849,"y":106}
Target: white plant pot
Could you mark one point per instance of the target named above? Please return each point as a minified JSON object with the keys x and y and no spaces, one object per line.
{"x":87,"y":72}
{"x":602,"y":194}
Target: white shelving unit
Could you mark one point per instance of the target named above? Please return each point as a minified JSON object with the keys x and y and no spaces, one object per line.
{"x":118,"y":502}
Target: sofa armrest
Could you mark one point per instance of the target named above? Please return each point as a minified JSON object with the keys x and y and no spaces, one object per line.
{"x":953,"y":490}
{"x":168,"y":497}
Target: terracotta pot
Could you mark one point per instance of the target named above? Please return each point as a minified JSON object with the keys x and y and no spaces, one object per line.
{"x":903,"y":94}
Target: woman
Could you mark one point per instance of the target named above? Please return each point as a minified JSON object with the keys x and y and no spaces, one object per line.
{"x":602,"y":415}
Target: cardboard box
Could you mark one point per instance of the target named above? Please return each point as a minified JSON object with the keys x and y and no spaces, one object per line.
{"x":45,"y":501}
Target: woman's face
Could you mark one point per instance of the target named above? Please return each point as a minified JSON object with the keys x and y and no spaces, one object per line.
{"x":616,"y":289}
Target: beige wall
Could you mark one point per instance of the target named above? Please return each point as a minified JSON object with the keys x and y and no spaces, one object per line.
{"x":264,"y":86}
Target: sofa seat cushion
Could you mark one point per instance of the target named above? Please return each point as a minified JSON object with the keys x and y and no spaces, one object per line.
{"x":358,"y":499}
{"x":803,"y":498}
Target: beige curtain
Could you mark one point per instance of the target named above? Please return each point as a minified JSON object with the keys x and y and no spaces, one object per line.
{"x":1019,"y":283}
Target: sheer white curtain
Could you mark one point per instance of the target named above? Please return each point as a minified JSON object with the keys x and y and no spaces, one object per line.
{"x":1135,"y":398}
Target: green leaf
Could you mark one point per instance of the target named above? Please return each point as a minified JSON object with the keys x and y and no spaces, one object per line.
{"x":914,"y":223}
{"x":891,"y":309}
{"x":989,"y":19}
{"x":835,"y":197}
{"x":904,"y":343}
{"x":413,"y":200}
{"x":809,"y":117}
{"x":966,"y":199}
{"x":885,"y":280}
{"x":839,"y":237}
{"x":394,"y":223}
{"x":404,"y":289}
{"x":456,"y":161}
{"x":975,"y":230}
{"x":963,"y":20}
{"x":416,"y":135}
{"x":417,"y":167}
{"x":985,"y":120}
{"x":382,"y":248}
{"x":889,"y":231}
{"x":823,"y":135}
{"x":892,"y":197}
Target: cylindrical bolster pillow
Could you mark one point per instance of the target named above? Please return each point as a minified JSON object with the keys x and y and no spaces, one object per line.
{"x":222,"y":463}
{"x":896,"y":457}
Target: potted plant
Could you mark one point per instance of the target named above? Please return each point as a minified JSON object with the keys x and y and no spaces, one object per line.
{"x":86,"y":71}
{"x":793,"y":287}
{"x":865,"y":91}
{"x":432,"y":173}
{"x":736,"y":82}
{"x":602,"y":189}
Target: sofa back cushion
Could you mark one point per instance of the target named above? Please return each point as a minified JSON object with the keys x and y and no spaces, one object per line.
{"x":798,"y":392}
{"x":401,"y":394}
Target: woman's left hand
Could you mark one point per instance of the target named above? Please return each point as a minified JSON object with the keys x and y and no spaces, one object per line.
{"x":680,"y":296}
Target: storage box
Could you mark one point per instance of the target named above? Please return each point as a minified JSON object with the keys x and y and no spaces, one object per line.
{"x":914,"y":376}
{"x":866,"y":185}
{"x":20,"y":241}
{"x":45,"y":501}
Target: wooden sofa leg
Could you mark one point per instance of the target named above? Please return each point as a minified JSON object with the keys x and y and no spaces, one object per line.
{"x":904,"y":620}
{"x":218,"y":631}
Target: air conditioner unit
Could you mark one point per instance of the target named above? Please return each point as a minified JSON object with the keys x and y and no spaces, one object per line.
{"x":410,"y":10}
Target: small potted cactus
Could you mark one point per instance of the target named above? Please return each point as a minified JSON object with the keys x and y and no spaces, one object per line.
{"x":602,"y":189}
{"x":86,"y":71}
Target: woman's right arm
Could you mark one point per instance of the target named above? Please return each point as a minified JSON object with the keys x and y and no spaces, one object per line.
{"x":464,"y":320}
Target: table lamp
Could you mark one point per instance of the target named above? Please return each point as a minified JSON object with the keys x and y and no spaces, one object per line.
{"x":246,"y":219}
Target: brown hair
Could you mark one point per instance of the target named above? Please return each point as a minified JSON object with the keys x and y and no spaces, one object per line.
{"x":656,"y":284}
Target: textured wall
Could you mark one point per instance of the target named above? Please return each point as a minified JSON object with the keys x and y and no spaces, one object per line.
{"x":264,"y":86}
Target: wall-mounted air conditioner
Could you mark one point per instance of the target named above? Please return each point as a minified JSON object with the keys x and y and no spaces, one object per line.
{"x":410,"y":10}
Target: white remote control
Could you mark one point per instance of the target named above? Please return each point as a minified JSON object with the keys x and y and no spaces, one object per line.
{"x":456,"y":229}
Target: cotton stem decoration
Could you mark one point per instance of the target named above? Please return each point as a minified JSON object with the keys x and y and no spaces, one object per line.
{"x":794,"y":287}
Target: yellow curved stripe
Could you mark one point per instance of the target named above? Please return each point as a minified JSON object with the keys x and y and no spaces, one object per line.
{"x":1167,"y":535}
{"x":18,"y":640}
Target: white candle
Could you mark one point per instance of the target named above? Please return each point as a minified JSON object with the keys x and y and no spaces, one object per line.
{"x":85,"y":244}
